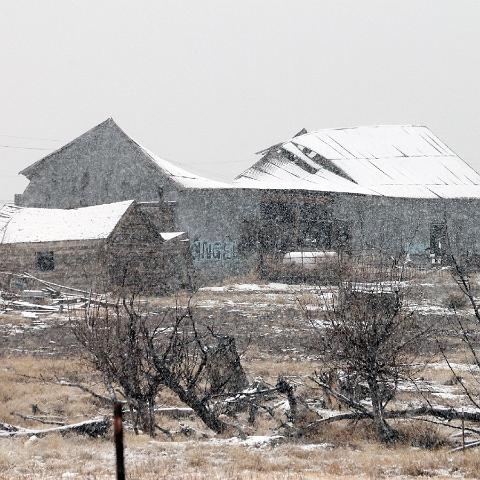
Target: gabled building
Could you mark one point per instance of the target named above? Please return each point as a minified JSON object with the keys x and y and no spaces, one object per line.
{"x":384,"y":188}
{"x":105,"y":165}
{"x":398,"y":161}
{"x":94,"y":248}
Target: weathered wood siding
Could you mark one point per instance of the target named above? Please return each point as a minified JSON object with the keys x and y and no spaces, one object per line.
{"x":134,"y":256}
{"x":77,"y":264}
{"x":102,"y":166}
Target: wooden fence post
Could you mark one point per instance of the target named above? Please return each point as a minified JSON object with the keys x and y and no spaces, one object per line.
{"x":118,"y":436}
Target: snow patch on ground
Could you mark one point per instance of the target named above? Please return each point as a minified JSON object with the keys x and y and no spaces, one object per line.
{"x":254,"y":441}
{"x":268,"y":287}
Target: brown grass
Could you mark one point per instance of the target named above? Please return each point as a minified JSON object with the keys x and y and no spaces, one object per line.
{"x":342,"y":450}
{"x":54,"y":456}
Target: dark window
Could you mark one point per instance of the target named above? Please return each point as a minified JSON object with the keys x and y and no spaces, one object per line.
{"x":438,"y":239}
{"x":341,"y":235}
{"x":323,"y":235}
{"x":45,"y":262}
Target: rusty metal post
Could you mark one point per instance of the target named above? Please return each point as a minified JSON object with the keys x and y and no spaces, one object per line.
{"x":118,"y":437}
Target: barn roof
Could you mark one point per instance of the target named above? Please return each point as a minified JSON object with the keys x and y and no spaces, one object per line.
{"x":32,"y":225}
{"x":180,"y":176}
{"x":393,"y":160}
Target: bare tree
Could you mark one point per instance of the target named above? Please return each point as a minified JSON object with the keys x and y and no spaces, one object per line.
{"x":368,"y":342}
{"x":113,"y":335}
{"x":463,"y":264}
{"x":138,"y":353}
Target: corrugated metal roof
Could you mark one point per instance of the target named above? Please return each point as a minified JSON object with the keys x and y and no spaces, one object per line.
{"x":397,"y":161}
{"x":28,"y":225}
{"x":279,"y":172}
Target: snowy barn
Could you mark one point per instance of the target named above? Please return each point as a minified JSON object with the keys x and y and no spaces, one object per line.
{"x":97,"y":247}
{"x":105,"y":165}
{"x":388,"y":188}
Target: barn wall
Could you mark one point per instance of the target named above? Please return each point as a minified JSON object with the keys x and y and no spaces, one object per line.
{"x":135,"y":256}
{"x":101,"y":166}
{"x":394,"y":224}
{"x":215,"y":223}
{"x":77,"y":264}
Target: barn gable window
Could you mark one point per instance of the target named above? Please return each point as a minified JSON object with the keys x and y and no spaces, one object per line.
{"x":45,"y":261}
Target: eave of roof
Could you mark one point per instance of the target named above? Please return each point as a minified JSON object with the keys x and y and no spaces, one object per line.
{"x":41,"y":225}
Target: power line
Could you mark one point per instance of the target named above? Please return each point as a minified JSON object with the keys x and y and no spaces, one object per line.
{"x":30,"y":138}
{"x":24,"y":148}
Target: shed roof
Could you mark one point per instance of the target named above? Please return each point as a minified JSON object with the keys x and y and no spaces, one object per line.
{"x":388,"y":160}
{"x":32,"y":225}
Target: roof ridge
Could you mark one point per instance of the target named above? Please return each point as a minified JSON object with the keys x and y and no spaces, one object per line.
{"x":26,"y":171}
{"x":355,"y":127}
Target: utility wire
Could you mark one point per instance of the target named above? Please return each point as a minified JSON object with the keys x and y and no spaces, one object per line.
{"x":30,"y":138}
{"x":24,"y":148}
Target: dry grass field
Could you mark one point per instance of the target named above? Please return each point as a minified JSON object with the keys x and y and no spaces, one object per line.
{"x":37,"y":353}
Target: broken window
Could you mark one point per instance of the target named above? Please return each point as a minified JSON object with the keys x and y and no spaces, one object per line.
{"x":341,"y":236}
{"x":328,"y":235}
{"x":45,"y":261}
{"x":323,"y":234}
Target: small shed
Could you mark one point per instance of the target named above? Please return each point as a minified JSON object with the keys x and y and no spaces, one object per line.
{"x":99,"y":247}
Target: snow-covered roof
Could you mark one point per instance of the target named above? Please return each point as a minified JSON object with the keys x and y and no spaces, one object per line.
{"x":180,"y":176}
{"x":394,"y":160}
{"x":166,"y":236}
{"x":28,"y":225}
{"x":282,"y":174}
{"x":183,"y":177}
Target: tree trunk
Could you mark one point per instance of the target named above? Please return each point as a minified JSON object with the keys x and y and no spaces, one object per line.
{"x":384,"y":431}
{"x":209,"y":418}
{"x":143,"y":416}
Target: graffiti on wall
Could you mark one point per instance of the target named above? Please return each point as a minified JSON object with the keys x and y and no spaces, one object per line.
{"x":214,"y":251}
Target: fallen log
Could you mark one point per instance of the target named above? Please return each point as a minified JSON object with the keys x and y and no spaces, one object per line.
{"x":175,"y":412}
{"x":60,"y":287}
{"x":424,"y":411}
{"x":466,"y":447}
{"x":40,"y":419}
{"x":93,"y":428}
{"x":6,"y":427}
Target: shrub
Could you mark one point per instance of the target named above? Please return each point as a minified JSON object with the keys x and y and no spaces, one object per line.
{"x":455,"y":301}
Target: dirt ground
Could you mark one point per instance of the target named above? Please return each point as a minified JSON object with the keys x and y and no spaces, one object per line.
{"x":37,"y":353}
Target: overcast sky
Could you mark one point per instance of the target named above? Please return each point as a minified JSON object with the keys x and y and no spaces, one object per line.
{"x":208,"y":83}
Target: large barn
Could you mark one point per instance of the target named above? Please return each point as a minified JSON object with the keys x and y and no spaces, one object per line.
{"x":382,"y":188}
{"x":389,"y":188}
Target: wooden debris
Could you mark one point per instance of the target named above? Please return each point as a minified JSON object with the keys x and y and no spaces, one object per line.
{"x":93,"y":428}
{"x":41,"y":419}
